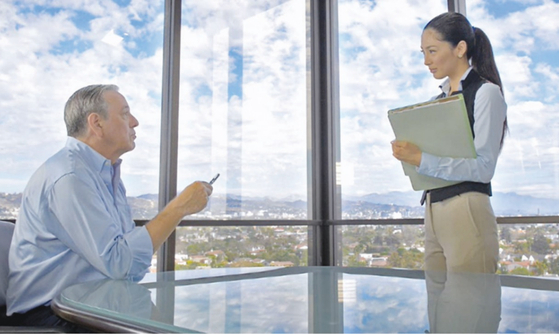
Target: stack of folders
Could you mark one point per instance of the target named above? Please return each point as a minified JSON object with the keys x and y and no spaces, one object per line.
{"x":439,"y":127}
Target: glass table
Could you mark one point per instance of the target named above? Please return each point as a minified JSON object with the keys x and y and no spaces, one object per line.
{"x":314,"y":300}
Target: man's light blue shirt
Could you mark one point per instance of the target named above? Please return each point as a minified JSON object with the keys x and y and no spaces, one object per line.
{"x":74,"y":225}
{"x":490,"y":111}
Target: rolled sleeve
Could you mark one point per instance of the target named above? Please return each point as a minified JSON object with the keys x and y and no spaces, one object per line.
{"x":141,"y":247}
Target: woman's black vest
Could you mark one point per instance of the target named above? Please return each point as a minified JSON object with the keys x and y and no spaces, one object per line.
{"x":470,"y":85}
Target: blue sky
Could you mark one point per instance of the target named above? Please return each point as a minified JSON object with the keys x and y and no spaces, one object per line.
{"x":244,"y":88}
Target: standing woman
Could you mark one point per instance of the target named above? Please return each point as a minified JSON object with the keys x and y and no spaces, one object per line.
{"x":460,"y":226}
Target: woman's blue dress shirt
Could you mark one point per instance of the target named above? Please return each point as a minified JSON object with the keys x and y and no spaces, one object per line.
{"x":490,"y":111}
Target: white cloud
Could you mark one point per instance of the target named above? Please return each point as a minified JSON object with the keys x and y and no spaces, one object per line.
{"x":39,"y":75}
{"x":258,"y":139}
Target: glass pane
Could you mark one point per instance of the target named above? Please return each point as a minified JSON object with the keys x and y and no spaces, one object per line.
{"x":51,"y":49}
{"x":381,"y":67}
{"x":383,"y":246}
{"x":526,"y":48}
{"x":241,"y":246}
{"x":243,"y":106}
{"x":528,"y":250}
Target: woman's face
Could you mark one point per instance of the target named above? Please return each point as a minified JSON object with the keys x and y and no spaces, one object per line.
{"x":439,"y":56}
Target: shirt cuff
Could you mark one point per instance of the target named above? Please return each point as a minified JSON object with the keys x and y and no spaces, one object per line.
{"x":427,"y":161}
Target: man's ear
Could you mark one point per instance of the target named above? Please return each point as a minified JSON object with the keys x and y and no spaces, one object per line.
{"x":95,"y":123}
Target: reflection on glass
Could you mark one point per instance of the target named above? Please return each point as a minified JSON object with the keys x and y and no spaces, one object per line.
{"x":218,"y":247}
{"x":52,"y":48}
{"x":324,"y":300}
{"x":381,"y":68}
{"x":241,"y":307}
{"x":463,"y":302}
{"x":126,"y":297}
{"x":380,"y":304}
{"x":526,"y":181}
{"x":243,"y":106}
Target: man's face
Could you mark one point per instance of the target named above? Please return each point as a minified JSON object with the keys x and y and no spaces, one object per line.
{"x":118,"y":128}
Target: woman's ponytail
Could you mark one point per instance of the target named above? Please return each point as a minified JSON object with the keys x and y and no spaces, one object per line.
{"x":482,"y":58}
{"x":483,"y":62}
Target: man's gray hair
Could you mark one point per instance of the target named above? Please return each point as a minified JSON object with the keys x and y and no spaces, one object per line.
{"x":81,"y":104}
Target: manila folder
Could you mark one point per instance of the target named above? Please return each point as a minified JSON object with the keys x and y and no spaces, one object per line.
{"x":439,"y":127}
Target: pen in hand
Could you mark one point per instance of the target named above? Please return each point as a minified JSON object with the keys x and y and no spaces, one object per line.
{"x":214,"y":178}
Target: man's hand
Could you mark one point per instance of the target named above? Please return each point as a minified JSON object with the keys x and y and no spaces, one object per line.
{"x":193,"y":198}
{"x":406,"y":152}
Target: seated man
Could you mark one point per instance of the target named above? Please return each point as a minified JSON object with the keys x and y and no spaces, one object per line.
{"x":74,"y":223}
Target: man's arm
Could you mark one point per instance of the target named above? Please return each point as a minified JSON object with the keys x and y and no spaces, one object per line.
{"x":83,"y":217}
{"x":191,"y":200}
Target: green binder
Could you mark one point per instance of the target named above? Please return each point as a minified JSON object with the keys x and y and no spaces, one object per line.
{"x":439,"y":127}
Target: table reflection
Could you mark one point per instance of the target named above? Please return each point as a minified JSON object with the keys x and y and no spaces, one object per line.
{"x":317,"y":300}
{"x":126,"y":298}
{"x":463,"y":302}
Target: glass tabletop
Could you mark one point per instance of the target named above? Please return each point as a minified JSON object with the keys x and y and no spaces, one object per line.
{"x":316,"y":300}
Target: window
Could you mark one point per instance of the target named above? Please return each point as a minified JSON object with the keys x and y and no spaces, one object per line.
{"x":243,"y":114}
{"x":51,"y":50}
{"x":526,"y":181}
{"x":243,"y":106}
{"x":245,"y":111}
{"x":381,"y":67}
{"x":374,"y":78}
{"x":241,"y":246}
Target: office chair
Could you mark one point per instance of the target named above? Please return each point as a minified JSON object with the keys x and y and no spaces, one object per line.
{"x":6,"y":232}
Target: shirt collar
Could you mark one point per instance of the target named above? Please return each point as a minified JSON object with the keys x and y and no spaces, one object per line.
{"x":93,"y":158}
{"x":445,"y":86}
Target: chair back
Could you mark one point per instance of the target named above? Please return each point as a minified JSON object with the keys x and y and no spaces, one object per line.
{"x":6,"y":232}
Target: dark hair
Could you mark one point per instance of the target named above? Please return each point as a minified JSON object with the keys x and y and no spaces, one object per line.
{"x":455,"y":27}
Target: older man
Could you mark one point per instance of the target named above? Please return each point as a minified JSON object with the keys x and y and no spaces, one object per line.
{"x":74,"y":223}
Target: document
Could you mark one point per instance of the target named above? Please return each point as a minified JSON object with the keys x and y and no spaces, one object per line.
{"x":439,"y":127}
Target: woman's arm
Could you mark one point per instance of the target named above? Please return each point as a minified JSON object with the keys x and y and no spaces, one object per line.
{"x":489,"y":114}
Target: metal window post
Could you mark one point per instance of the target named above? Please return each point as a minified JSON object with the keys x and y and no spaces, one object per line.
{"x":169,"y":123}
{"x":458,"y":6}
{"x":325,"y":197}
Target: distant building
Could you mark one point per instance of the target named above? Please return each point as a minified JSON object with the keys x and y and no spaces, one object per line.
{"x":513,"y":265}
{"x":378,"y":261}
{"x":218,"y":254}
{"x":200,"y":259}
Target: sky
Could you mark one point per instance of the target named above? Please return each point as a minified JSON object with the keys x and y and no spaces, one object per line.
{"x":244,"y":88}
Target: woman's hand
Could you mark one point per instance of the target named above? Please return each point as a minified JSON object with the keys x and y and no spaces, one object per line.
{"x":406,"y":152}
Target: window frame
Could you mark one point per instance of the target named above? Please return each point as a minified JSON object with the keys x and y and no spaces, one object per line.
{"x":324,"y":195}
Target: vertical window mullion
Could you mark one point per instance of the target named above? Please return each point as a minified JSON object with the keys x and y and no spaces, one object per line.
{"x":169,"y":123}
{"x":458,"y":6}
{"x":326,"y":197}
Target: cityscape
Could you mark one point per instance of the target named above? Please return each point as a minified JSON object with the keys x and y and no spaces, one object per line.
{"x":524,"y":249}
